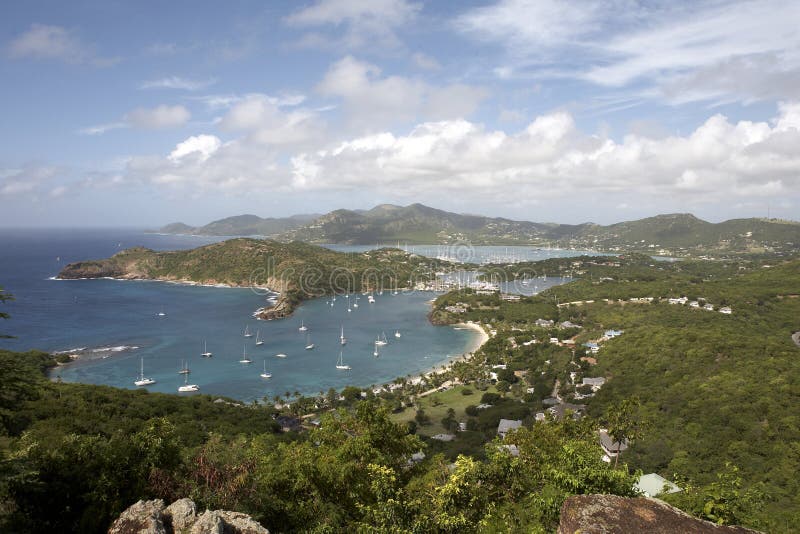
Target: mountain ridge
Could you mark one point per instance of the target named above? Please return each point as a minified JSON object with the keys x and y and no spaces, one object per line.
{"x":667,"y":234}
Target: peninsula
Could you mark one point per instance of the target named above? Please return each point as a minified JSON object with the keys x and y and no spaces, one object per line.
{"x":297,"y":271}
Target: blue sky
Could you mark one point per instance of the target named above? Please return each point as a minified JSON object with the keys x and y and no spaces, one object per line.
{"x":143,"y":113}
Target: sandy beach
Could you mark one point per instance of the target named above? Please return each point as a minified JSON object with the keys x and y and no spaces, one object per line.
{"x":482,"y":338}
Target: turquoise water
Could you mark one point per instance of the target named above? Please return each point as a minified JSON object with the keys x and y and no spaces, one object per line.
{"x":218,"y":316}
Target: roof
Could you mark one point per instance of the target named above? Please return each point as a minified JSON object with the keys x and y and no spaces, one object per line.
{"x":594,"y":381}
{"x":611,"y":445}
{"x":508,"y":424}
{"x":653,"y":485}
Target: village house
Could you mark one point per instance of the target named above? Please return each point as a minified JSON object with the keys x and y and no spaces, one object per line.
{"x":595,"y":382}
{"x":610,"y":447}
{"x":507,"y":425}
{"x":594,"y":348}
{"x":726,"y":310}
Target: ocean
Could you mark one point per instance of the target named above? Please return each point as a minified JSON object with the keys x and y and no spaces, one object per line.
{"x":115,"y":325}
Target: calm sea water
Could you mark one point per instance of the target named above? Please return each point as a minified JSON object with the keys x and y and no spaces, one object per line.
{"x":117,"y":324}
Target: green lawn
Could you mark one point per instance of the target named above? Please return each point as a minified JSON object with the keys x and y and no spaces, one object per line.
{"x":436,"y":405}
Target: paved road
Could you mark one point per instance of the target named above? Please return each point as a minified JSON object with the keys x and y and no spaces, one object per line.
{"x":796,"y":338}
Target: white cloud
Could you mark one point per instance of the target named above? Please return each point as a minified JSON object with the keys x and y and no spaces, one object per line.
{"x":530,"y":27}
{"x":158,"y":117}
{"x":26,"y":181}
{"x":201,"y":146}
{"x":100,"y":129}
{"x":176,"y":82}
{"x":372,"y":23}
{"x":373,"y":101}
{"x":551,"y":157}
{"x":42,"y":41}
{"x":265,"y":121}
{"x":719,"y":51}
{"x":225,"y":101}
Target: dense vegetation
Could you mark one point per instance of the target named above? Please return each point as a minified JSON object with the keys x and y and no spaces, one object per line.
{"x":241,"y":225}
{"x":720,"y":391}
{"x":74,"y":456}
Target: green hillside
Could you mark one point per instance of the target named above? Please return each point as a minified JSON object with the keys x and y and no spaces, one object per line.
{"x":672,"y":234}
{"x":717,"y":389}
{"x":240,"y":225}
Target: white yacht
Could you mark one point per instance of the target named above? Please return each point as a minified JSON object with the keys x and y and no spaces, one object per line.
{"x":340,"y":363}
{"x":265,"y":374}
{"x":142,"y":380}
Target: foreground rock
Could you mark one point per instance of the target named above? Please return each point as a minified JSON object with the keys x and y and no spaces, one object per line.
{"x":607,"y":514}
{"x":181,"y":517}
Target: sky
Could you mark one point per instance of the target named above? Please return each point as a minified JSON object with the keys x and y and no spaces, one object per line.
{"x":143,"y":113}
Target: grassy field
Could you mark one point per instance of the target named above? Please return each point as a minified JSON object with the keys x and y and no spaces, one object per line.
{"x":435,"y":406}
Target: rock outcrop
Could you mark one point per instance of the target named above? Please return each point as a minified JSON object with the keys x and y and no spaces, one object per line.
{"x":607,"y":514}
{"x":180,"y":517}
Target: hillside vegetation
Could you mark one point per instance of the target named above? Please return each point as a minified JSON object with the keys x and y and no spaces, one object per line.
{"x":719,"y":391}
{"x":240,"y":225}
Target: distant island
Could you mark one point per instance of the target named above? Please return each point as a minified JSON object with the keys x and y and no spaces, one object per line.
{"x":298,"y":271}
{"x":679,"y":234}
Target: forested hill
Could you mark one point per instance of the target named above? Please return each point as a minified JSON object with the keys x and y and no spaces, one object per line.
{"x":671,"y":234}
{"x":241,"y":225}
{"x":297,"y":270}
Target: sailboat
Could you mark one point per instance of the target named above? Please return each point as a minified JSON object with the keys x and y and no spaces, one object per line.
{"x":206,"y":354}
{"x":303,"y":327}
{"x":265,"y":374}
{"x":370,"y":299}
{"x":186,"y":387}
{"x":184,"y":369}
{"x":309,"y":344}
{"x":382,"y":340}
{"x":245,"y":359}
{"x":375,"y":352}
{"x":259,"y":341}
{"x":397,"y":333}
{"x":340,"y":363}
{"x":142,"y":380}
{"x":355,"y":304}
{"x":247,"y":332}
{"x":342,"y":339}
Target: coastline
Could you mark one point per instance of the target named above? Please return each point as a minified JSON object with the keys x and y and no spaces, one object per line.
{"x":166,"y":281}
{"x":482,"y":338}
